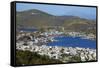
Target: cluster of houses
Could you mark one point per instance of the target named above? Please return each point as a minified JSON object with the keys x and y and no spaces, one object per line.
{"x":55,"y":52}
{"x":36,"y":42}
{"x":82,"y":35}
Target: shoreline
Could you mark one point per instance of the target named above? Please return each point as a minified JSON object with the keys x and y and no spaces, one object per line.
{"x":36,"y":42}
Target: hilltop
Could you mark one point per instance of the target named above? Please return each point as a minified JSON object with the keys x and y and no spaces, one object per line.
{"x":39,"y":19}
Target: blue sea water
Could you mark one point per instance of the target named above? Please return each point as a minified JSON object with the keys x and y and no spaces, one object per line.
{"x":73,"y":42}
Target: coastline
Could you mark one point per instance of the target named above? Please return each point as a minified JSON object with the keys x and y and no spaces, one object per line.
{"x":36,"y":42}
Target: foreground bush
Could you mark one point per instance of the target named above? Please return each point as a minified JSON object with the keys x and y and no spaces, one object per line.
{"x":30,"y":58}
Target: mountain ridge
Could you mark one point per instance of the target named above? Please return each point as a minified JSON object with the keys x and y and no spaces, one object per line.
{"x":38,"y":19}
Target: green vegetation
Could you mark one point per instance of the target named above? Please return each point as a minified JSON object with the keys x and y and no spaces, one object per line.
{"x":75,"y":59}
{"x":28,"y":58}
{"x":70,"y":58}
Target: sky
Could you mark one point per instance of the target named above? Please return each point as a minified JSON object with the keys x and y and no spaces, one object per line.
{"x":59,"y":10}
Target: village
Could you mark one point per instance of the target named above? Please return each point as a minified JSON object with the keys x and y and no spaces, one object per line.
{"x":36,"y":42}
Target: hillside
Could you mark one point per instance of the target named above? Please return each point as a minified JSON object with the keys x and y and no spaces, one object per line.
{"x":38,"y":19}
{"x":33,"y":58}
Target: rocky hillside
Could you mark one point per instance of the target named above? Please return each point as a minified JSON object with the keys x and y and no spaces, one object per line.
{"x":38,"y":19}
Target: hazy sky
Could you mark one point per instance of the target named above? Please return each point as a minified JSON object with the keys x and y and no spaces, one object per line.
{"x":84,"y":12}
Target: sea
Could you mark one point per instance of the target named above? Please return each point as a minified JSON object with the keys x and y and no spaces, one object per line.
{"x":73,"y":42}
{"x":69,"y":41}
